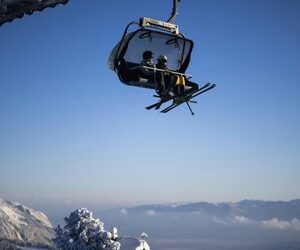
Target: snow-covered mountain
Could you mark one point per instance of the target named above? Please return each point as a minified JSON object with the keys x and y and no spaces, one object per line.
{"x":243,"y":220}
{"x":25,"y":226}
{"x":19,"y":223}
{"x":252,"y":209}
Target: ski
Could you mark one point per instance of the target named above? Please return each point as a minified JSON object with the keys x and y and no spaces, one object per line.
{"x":158,"y":103}
{"x":164,"y":100}
{"x":187,"y":98}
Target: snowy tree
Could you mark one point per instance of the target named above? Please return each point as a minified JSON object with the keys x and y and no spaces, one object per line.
{"x":83,"y":232}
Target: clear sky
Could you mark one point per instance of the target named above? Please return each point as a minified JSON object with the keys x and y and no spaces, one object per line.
{"x":71,"y":132}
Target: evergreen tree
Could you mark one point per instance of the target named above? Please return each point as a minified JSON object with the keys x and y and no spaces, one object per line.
{"x":83,"y":232}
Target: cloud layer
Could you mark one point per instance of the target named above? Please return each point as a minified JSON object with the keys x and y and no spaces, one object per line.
{"x":273,"y":223}
{"x":281,"y":224}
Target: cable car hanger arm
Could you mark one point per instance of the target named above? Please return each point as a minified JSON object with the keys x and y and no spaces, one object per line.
{"x":174,"y":11}
{"x":169,"y":25}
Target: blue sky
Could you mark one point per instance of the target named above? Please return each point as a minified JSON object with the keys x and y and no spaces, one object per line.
{"x":71,"y":132}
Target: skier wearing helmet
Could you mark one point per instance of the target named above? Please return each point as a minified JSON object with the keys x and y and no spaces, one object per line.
{"x":147,"y":62}
{"x":164,"y":79}
{"x":162,"y":62}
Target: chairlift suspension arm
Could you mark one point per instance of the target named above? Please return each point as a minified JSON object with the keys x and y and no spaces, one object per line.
{"x":174,"y":11}
{"x":168,"y":25}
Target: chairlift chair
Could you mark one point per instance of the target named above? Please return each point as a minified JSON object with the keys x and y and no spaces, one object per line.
{"x":161,"y":38}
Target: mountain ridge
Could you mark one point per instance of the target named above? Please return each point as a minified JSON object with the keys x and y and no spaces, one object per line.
{"x":19,"y":223}
{"x":252,"y":209}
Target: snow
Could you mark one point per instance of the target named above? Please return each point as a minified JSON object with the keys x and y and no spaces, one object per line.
{"x":17,"y":213}
{"x":18,"y":222}
{"x":12,"y":215}
{"x":83,"y":232}
{"x":36,"y":214}
{"x":129,"y":243}
{"x":40,"y":216}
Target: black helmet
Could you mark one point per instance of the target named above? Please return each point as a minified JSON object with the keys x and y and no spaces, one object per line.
{"x":162,"y":58}
{"x":147,"y":55}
